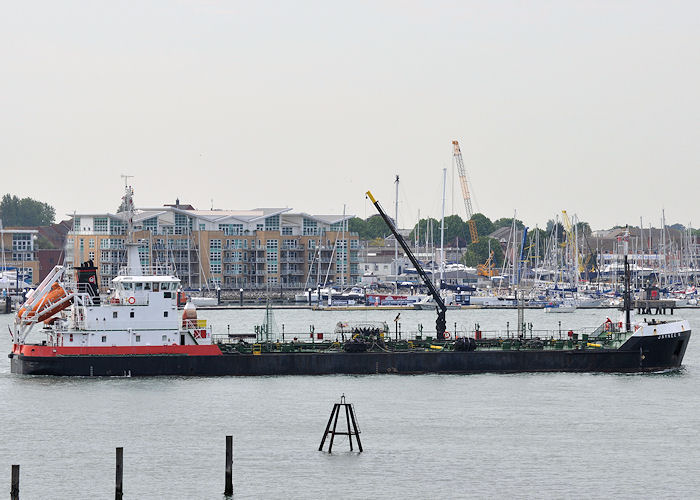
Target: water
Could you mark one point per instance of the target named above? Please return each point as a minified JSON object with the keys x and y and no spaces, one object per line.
{"x":428,"y":436}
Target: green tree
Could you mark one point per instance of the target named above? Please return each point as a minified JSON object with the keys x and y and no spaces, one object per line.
{"x":559,"y":232}
{"x":484,"y":226}
{"x":507,"y":222}
{"x":456,"y":231}
{"x":422,"y":228}
{"x":478,"y":253}
{"x":583,"y":228}
{"x":369,"y":229}
{"x":16,"y":212}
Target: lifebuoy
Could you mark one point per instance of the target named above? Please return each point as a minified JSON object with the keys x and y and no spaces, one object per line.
{"x":447,"y":335}
{"x":131,"y":300}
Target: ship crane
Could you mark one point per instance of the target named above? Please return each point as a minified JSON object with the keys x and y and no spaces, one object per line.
{"x":465,"y":192}
{"x":440,"y":323}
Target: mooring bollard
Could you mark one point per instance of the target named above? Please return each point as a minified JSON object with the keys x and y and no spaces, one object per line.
{"x":14,"y":488}
{"x":228,"y":487}
{"x":118,"y":486}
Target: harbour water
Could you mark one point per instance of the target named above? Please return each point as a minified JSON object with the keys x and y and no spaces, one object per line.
{"x":425,"y":436}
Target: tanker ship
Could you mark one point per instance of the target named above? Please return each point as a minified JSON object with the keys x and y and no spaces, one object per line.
{"x":138,"y":330}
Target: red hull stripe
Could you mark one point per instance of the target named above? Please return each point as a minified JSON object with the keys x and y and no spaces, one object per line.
{"x":49,"y":351}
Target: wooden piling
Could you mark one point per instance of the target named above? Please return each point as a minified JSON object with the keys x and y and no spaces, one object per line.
{"x":228,"y":486}
{"x":118,"y":488}
{"x":14,"y":488}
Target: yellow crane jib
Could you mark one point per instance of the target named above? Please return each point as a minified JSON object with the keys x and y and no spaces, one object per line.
{"x":473,"y":234}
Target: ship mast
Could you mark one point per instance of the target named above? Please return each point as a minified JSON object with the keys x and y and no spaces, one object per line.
{"x":133,"y":262}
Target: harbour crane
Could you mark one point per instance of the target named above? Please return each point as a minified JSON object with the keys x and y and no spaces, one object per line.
{"x":465,"y":192}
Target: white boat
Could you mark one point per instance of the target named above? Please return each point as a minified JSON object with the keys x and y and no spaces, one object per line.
{"x":204,"y":301}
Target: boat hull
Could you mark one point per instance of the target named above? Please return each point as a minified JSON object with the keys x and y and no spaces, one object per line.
{"x":641,"y":354}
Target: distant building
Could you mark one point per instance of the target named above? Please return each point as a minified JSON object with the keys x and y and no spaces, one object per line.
{"x":18,"y":253}
{"x":260,"y":248}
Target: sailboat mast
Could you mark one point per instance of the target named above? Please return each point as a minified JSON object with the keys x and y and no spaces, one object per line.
{"x":396,"y":243}
{"x":442,"y":227}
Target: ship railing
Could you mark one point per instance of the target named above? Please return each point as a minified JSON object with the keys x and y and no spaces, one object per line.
{"x":154,"y":270}
{"x":340,"y":336}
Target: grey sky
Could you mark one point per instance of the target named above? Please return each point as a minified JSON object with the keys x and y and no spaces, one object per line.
{"x":587,"y":106}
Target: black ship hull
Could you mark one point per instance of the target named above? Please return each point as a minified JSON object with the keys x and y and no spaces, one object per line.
{"x":638,"y":354}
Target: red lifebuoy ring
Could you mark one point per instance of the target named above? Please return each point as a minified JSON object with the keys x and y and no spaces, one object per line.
{"x":447,"y":335}
{"x":131,"y":300}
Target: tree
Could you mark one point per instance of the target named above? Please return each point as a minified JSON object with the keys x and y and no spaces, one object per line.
{"x":478,"y":253}
{"x":507,"y":222}
{"x":16,"y":212}
{"x":422,"y":229}
{"x":559,"y":232}
{"x":484,"y":226}
{"x":583,"y":228}
{"x":371,"y":228}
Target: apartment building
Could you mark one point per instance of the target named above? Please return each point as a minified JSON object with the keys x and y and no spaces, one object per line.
{"x":264,"y":248}
{"x":18,"y":254}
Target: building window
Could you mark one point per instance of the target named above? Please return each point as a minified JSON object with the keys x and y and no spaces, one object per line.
{"x":287,"y":230}
{"x":215,"y":244}
{"x":91,"y":243}
{"x":259,"y":227}
{"x":116,"y":227}
{"x":272,"y":223}
{"x":151,"y":224}
{"x":309,"y":227}
{"x":215,"y":267}
{"x":100,"y":225}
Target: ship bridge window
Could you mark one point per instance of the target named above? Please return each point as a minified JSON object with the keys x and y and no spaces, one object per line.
{"x":156,"y":287}
{"x":127,"y":286}
{"x":138,"y":286}
{"x":147,"y":286}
